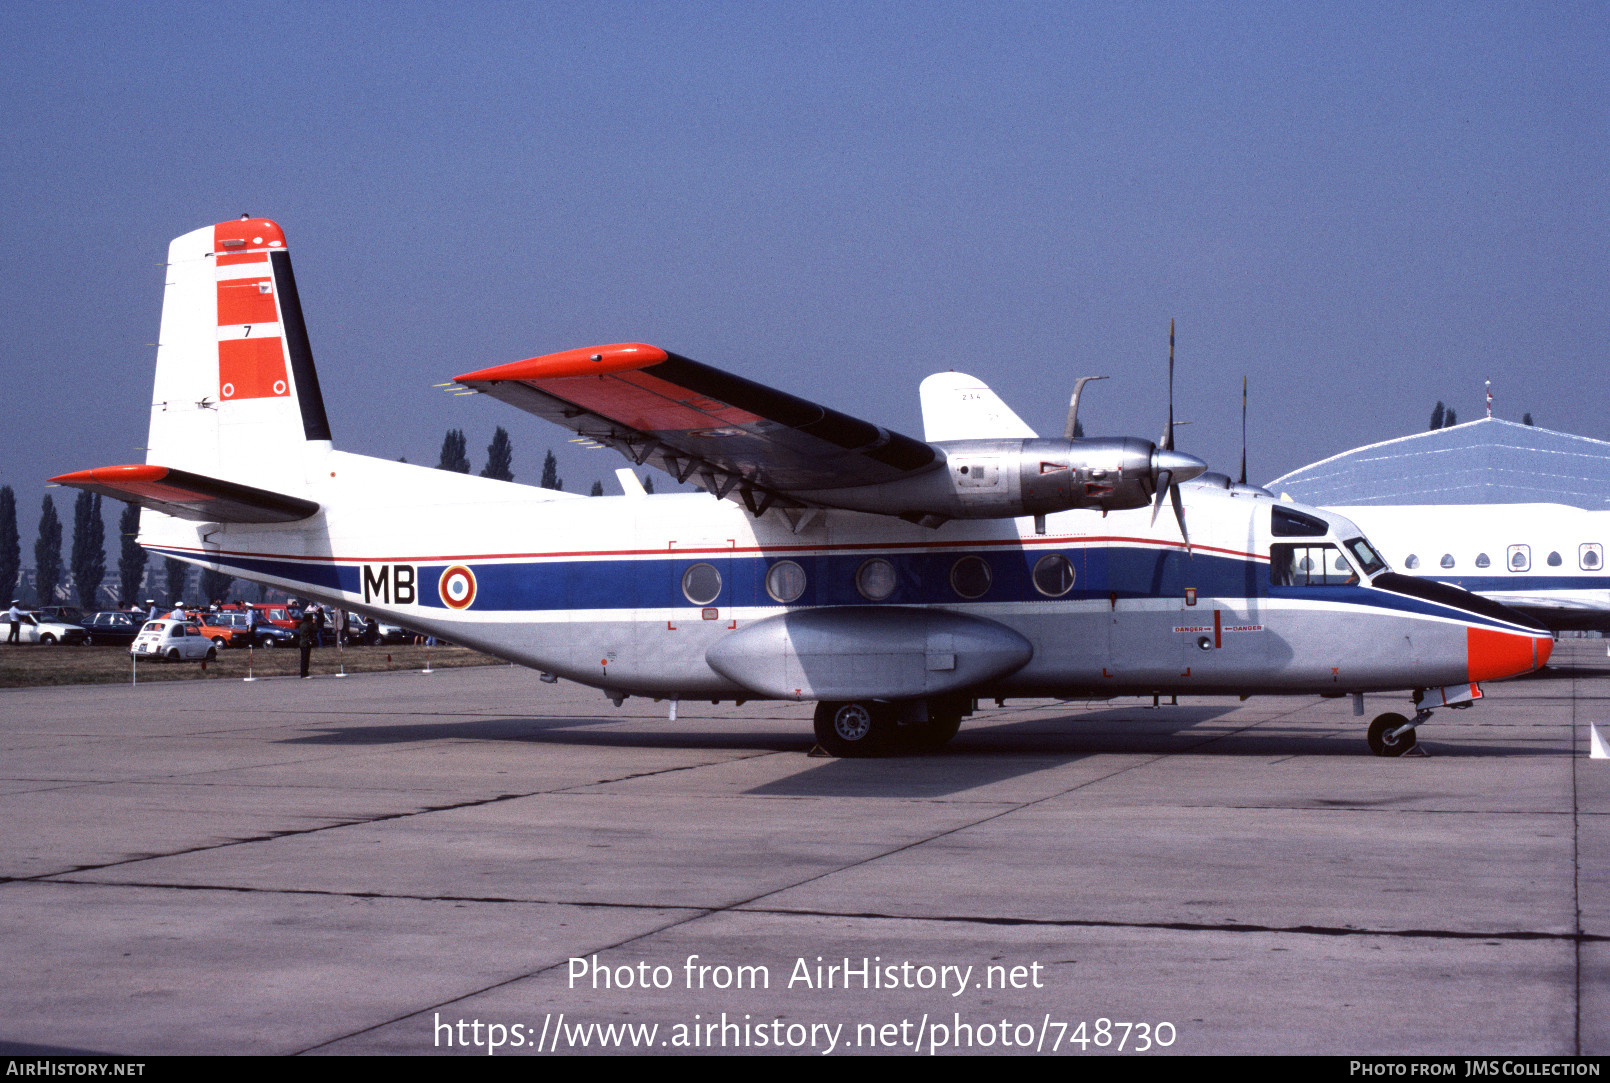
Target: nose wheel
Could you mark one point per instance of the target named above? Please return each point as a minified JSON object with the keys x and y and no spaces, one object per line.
{"x":1392,"y":735}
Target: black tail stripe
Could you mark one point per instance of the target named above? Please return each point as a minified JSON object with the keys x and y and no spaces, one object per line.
{"x":315,"y":425}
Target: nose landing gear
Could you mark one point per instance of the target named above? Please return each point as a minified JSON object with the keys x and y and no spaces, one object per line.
{"x":1393,"y":735}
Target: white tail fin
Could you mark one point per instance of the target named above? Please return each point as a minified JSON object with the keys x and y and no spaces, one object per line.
{"x":956,"y":406}
{"x":236,"y":394}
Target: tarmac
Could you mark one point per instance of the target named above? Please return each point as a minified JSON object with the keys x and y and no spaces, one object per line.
{"x":361,"y":865}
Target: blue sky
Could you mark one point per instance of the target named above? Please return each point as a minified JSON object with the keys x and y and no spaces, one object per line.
{"x":1362,"y":207}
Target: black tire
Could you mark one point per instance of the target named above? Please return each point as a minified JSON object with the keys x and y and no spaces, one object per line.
{"x":218,"y":641}
{"x":212,"y":654}
{"x":267,"y":644}
{"x":47,"y":640}
{"x":173,"y":654}
{"x":89,"y":641}
{"x":1381,"y":744}
{"x":855,"y":729}
{"x":932,"y":735}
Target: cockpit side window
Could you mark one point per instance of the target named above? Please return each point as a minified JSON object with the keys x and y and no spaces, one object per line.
{"x":1309,"y":566}
{"x":1285,"y":523}
{"x":1366,"y":556}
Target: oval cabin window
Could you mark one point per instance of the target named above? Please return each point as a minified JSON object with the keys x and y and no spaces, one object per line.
{"x":970,"y":577}
{"x":875,"y":579}
{"x":1053,"y":575}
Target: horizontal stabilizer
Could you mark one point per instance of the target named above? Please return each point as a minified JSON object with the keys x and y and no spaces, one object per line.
{"x":190,"y":496}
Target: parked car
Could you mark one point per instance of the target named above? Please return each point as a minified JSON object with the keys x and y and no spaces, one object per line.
{"x":229,"y":628}
{"x":36,"y":628}
{"x":277,"y":615}
{"x":224,"y":629}
{"x":172,"y":641}
{"x":111,"y":626}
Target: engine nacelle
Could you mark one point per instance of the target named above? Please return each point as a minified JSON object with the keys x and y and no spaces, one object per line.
{"x":1005,"y":479}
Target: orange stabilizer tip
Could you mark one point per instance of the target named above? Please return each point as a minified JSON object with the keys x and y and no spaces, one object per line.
{"x":592,"y":361}
{"x":247,"y":234}
{"x":1494,"y":655}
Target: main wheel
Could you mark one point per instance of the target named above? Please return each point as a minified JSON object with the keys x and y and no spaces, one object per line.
{"x":173,"y":654}
{"x":853,"y":729}
{"x":212,"y":654}
{"x":267,"y":644}
{"x":932,"y":735}
{"x":1381,"y":741}
{"x":218,"y":641}
{"x":48,"y":640}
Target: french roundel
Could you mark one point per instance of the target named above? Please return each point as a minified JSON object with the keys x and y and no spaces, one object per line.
{"x":457,"y":587}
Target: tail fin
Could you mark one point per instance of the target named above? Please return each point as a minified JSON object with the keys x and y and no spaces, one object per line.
{"x":956,"y":406}
{"x":236,"y":394}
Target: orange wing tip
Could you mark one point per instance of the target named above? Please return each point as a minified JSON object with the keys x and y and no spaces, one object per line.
{"x":104,"y":475}
{"x":592,"y":361}
{"x":248,"y":235}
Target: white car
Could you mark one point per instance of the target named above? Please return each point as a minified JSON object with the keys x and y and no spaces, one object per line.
{"x":34,"y":628}
{"x":173,"y":641}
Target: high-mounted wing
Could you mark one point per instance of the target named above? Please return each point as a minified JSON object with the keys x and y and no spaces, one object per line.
{"x":190,"y":496}
{"x":692,"y":420}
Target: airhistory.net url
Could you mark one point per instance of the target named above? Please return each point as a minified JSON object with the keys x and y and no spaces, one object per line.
{"x":556,"y":1034}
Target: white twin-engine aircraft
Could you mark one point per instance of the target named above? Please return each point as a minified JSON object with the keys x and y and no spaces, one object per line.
{"x":895,"y":581}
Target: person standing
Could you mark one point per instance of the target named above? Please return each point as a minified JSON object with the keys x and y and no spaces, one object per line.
{"x":306,"y":633}
{"x":15,"y":616}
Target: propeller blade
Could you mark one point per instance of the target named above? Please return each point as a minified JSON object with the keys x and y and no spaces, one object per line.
{"x":1243,"y":430}
{"x":1165,"y":484}
{"x":1179,"y":515}
{"x":1168,"y":433}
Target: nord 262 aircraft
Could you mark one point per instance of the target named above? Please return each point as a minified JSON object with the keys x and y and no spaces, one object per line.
{"x":892,"y":580}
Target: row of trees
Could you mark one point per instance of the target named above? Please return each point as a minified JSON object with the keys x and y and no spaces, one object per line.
{"x":87,"y":558}
{"x":1444,"y":417}
{"x":500,"y":461}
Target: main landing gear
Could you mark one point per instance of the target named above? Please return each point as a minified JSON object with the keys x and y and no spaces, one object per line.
{"x":860,"y":728}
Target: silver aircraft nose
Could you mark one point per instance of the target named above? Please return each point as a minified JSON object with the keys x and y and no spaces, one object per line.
{"x":1178,"y":465}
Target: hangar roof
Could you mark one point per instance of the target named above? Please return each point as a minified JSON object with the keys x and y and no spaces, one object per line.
{"x":1487,"y":461}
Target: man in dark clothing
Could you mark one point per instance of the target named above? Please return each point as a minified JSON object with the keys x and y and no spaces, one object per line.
{"x":307,"y":633}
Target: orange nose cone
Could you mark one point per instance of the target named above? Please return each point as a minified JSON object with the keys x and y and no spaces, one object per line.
{"x":1494,"y":655}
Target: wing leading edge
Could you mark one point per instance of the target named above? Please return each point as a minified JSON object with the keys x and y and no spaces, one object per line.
{"x":692,"y":420}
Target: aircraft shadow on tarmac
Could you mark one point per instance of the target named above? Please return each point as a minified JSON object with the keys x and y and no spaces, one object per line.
{"x":989,"y":748}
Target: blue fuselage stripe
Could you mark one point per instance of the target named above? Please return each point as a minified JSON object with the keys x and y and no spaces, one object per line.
{"x":1107,"y":573}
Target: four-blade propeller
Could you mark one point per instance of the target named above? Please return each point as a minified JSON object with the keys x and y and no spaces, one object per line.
{"x":1170,"y":467}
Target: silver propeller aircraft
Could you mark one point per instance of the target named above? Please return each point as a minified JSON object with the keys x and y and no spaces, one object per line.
{"x":894,"y":581}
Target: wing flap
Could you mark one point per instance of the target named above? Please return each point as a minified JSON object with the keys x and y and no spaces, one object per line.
{"x":689,"y":418}
{"x":190,"y":496}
